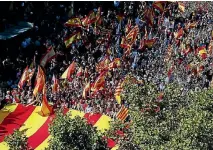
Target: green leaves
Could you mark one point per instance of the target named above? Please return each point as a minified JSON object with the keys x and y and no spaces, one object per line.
{"x":74,"y":134}
{"x":17,"y":140}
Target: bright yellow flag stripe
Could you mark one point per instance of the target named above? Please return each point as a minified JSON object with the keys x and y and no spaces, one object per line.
{"x":34,"y":122}
{"x":6,"y":111}
{"x":44,"y":144}
{"x":103,"y":123}
{"x":4,"y":146}
{"x":75,"y":113}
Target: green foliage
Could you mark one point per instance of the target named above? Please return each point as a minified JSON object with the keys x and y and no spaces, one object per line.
{"x":74,"y":134}
{"x":183,"y":122}
{"x":17,"y":140}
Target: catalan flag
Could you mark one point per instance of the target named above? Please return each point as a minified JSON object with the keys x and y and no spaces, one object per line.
{"x":74,"y":22}
{"x":55,"y":85}
{"x":118,"y":91}
{"x":181,"y":6}
{"x":131,"y":36}
{"x":159,"y":6}
{"x":69,"y":71}
{"x":86,"y":90}
{"x":24,"y":78}
{"x":50,"y":54}
{"x":202,"y":52}
{"x":149,"y":43}
{"x":124,"y":43}
{"x":72,"y":38}
{"x":46,"y":109}
{"x":79,"y":72}
{"x":40,"y":81}
{"x":123,"y":113}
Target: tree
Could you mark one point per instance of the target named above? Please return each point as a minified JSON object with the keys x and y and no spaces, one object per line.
{"x":74,"y":134}
{"x":17,"y":140}
{"x":183,"y":119}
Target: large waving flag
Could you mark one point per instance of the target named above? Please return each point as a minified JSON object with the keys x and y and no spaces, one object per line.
{"x":40,"y":81}
{"x":55,"y":85}
{"x":31,"y":72}
{"x":86,"y":90}
{"x":72,"y":38}
{"x":69,"y":71}
{"x":24,"y":78}
{"x":46,"y":109}
{"x":50,"y":54}
{"x":123,"y":113}
{"x":131,"y":36}
{"x":158,"y":5}
{"x":74,"y":22}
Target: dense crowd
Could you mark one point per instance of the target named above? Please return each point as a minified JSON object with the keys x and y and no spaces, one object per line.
{"x":150,"y":64}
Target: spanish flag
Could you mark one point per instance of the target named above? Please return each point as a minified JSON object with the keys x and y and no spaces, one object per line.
{"x":40,"y":81}
{"x":86,"y":90}
{"x":158,"y":5}
{"x":123,"y":113}
{"x":91,"y":17}
{"x":24,"y":78}
{"x":115,"y":63}
{"x":202,"y":52}
{"x":48,"y":56}
{"x":149,"y":43}
{"x":102,"y":65}
{"x":99,"y":82}
{"x":55,"y":84}
{"x":181,"y":6}
{"x":74,"y":22}
{"x":46,"y":109}
{"x":69,"y":71}
{"x":72,"y":38}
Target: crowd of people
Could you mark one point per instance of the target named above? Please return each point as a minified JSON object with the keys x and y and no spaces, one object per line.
{"x":172,"y":57}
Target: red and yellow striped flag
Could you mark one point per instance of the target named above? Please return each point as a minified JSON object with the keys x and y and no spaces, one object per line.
{"x":86,"y":90}
{"x":149,"y":15}
{"x":118,"y":91}
{"x":72,"y":38}
{"x":24,"y":78}
{"x":69,"y":71}
{"x":85,"y":21}
{"x":210,"y":48}
{"x":98,"y":16}
{"x":40,"y":81}
{"x":46,"y":109}
{"x":74,"y":22}
{"x":123,"y":113}
{"x":158,"y":5}
{"x":48,"y":56}
{"x":30,"y":75}
{"x":131,"y":36}
{"x":128,"y":26}
{"x":179,"y":33}
{"x":181,"y":6}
